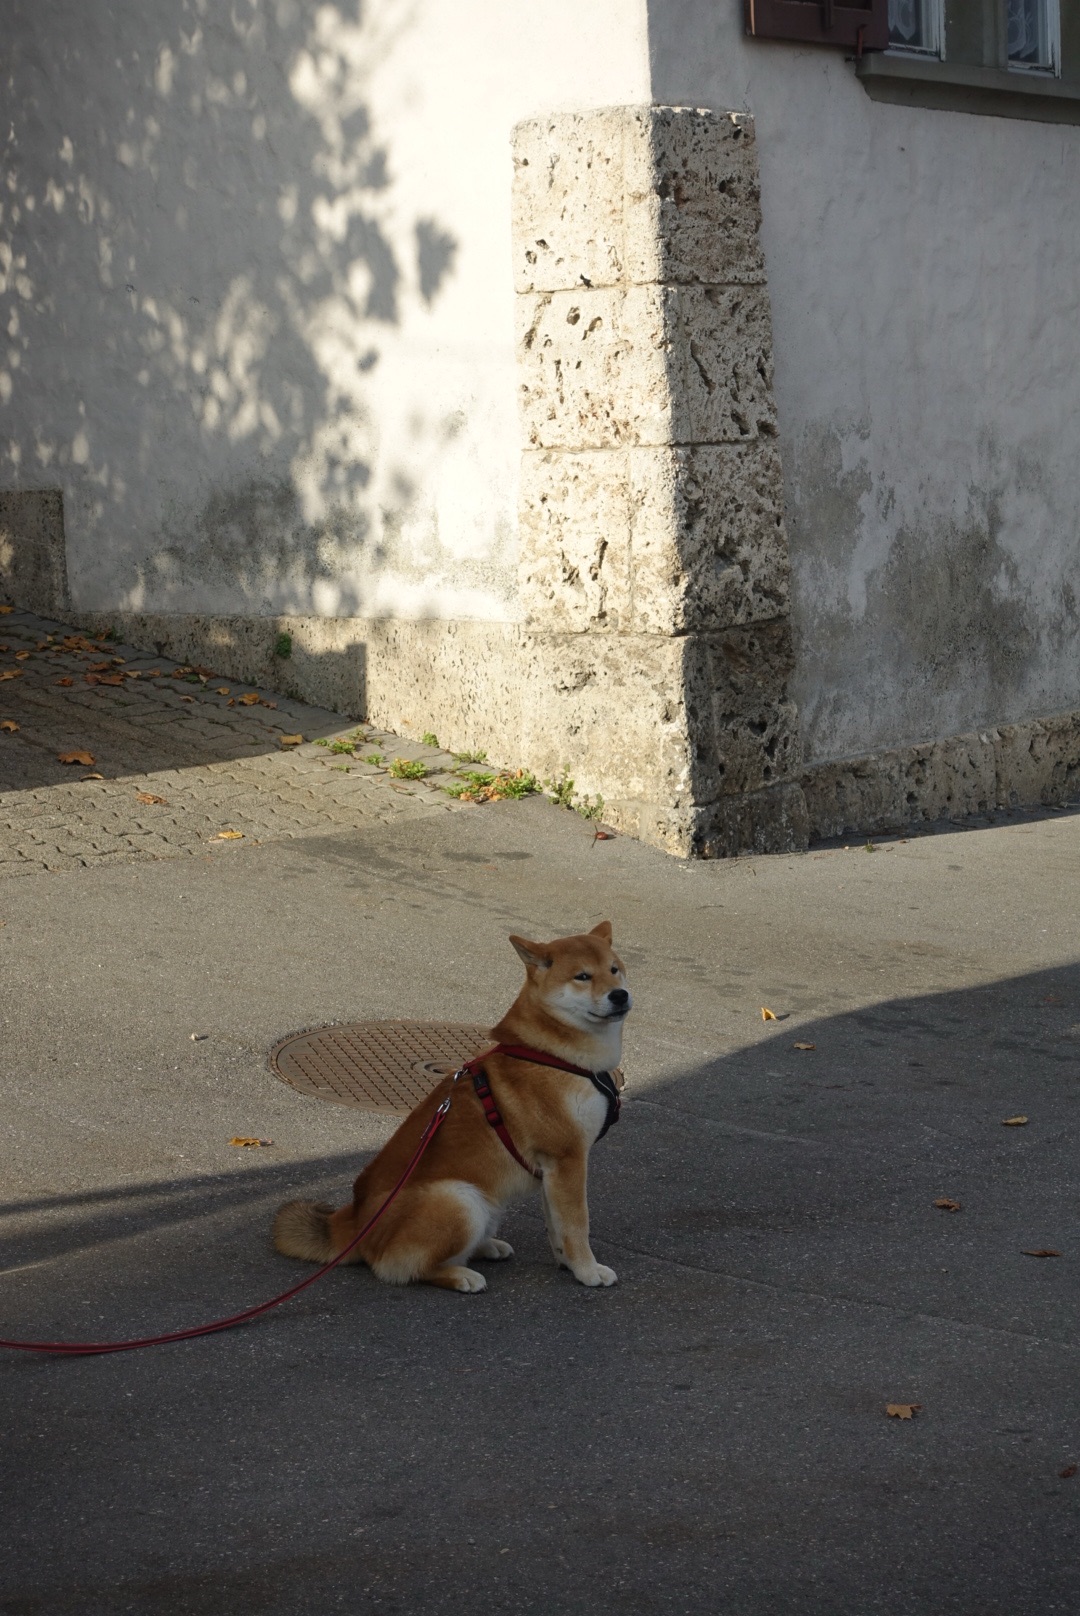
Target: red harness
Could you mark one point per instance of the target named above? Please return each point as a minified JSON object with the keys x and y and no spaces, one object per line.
{"x":475,"y":1068}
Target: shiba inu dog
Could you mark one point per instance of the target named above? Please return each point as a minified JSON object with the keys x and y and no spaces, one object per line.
{"x":522,"y":1114}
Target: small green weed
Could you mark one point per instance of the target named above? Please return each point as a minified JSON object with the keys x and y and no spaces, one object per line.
{"x":562,"y":790}
{"x":402,"y":769}
{"x":471,"y":785}
{"x":564,"y":796}
{"x":495,"y":787}
{"x":283,"y":646}
{"x":374,"y":758}
{"x":340,"y":768}
{"x":321,"y":740}
{"x":341,"y":746}
{"x":470,"y":757}
{"x":428,"y":739}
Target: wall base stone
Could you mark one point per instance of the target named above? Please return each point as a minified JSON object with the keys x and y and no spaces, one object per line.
{"x":33,"y":556}
{"x":1027,"y":765}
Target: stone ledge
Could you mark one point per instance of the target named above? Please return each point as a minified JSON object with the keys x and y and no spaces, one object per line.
{"x":635,"y":195}
{"x":1026,"y":765}
{"x":656,"y":540}
{"x":657,"y":365}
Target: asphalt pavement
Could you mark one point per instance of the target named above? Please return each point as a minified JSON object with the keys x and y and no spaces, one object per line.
{"x":711,"y":1434}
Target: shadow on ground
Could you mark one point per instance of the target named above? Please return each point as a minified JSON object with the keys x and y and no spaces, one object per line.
{"x":138,"y":725}
{"x":710,"y":1435}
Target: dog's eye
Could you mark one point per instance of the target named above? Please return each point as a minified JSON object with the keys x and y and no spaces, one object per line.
{"x":614,"y":970}
{"x":583,"y":976}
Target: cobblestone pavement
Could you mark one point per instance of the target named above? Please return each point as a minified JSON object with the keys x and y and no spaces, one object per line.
{"x":181,"y":760}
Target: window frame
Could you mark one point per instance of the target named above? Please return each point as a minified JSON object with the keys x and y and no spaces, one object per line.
{"x":1053,"y":30}
{"x":974,"y":73}
{"x":934,"y":52}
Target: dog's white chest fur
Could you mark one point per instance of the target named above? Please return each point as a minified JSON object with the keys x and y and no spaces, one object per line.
{"x":588,"y":1107}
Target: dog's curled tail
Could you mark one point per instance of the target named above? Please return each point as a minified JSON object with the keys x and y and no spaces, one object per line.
{"x":302,"y":1229}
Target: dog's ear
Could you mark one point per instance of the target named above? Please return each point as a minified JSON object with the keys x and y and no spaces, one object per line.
{"x":603,"y":930}
{"x":531,"y":953}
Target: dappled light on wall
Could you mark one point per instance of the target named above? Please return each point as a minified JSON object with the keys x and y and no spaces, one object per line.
{"x":206,"y":275}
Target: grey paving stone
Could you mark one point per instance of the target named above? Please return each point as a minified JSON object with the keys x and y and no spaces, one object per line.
{"x":218,"y":766}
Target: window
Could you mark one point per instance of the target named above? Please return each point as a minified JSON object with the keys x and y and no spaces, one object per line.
{"x":1033,"y":35}
{"x":1001,"y":58}
{"x":916,"y":26}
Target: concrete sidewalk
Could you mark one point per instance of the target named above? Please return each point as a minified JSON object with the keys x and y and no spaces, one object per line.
{"x":709,"y":1435}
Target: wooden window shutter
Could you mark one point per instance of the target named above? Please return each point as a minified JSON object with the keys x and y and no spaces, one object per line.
{"x":821,"y":22}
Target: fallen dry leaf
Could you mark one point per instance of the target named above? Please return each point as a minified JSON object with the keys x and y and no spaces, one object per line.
{"x":804,"y":1046}
{"x":93,"y":777}
{"x":187,"y":698}
{"x":66,"y":682}
{"x":290,"y":740}
{"x":199,"y":1037}
{"x":5,"y":609}
{"x":85,"y":758}
{"x":264,"y":703}
{"x":767,"y":1014}
{"x":21,"y":656}
{"x":1043,"y":1251}
{"x":232,"y":701}
{"x":902,"y":1411}
{"x":250,"y":1144}
{"x":228,"y":836}
{"x":11,"y":673}
{"x":9,"y":726}
{"x":603,"y":836}
{"x":99,"y":667}
{"x":943,"y":1204}
{"x":104,"y":678}
{"x":5,"y":647}
{"x":250,"y":699}
{"x":148,"y":796}
{"x":1069,"y":1470}
{"x":222,"y":690}
{"x":1013,"y":1122}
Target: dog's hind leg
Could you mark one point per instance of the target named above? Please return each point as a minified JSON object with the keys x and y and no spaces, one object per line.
{"x":438,"y":1228}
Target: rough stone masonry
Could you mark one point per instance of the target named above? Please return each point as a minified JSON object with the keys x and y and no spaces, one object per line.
{"x":654,"y":566}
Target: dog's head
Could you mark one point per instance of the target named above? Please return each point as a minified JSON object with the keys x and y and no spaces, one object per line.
{"x":578,"y":980}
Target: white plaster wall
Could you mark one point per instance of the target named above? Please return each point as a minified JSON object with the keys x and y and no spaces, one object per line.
{"x":258,"y":296}
{"x":924,"y":271}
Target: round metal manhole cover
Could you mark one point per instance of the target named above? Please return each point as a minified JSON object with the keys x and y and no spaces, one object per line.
{"x":377,"y":1065}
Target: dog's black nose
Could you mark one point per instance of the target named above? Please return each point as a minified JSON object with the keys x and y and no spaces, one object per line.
{"x":619,"y":997}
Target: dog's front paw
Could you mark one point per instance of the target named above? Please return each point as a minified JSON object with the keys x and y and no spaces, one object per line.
{"x":597,"y":1275}
{"x":468,"y":1279}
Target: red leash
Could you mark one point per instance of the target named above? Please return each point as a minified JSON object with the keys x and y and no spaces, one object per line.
{"x":77,"y":1349}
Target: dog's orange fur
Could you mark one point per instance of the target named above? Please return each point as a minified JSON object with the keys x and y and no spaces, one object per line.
{"x":451,"y":1207}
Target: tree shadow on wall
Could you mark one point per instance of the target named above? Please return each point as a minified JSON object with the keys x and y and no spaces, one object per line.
{"x":243,"y":262}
